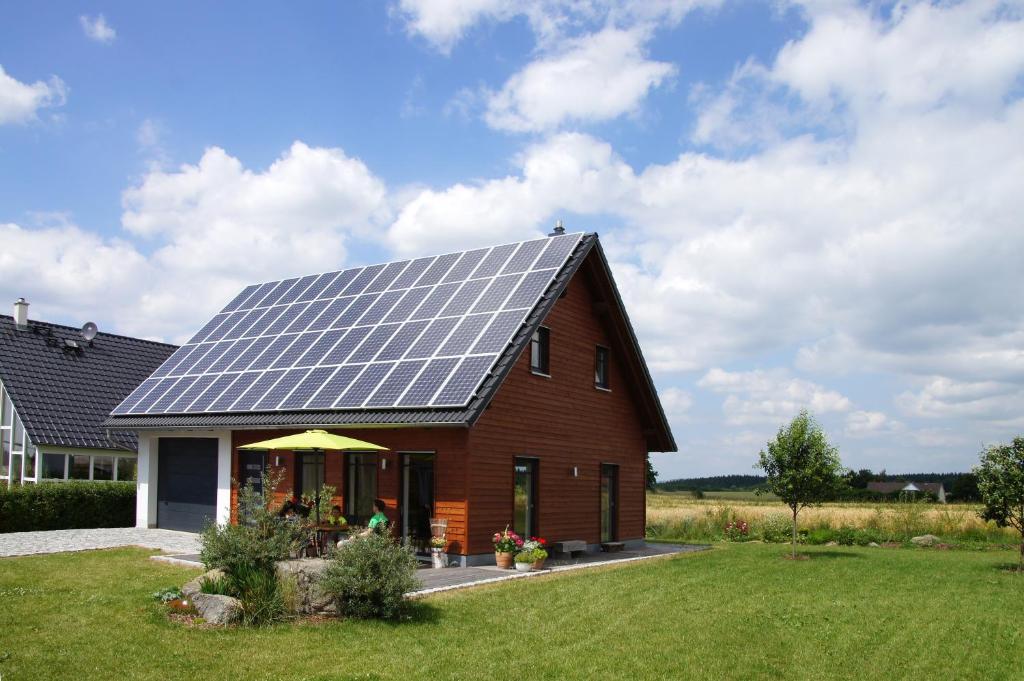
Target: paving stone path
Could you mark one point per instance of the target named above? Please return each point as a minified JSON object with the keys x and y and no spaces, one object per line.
{"x":56,"y":541}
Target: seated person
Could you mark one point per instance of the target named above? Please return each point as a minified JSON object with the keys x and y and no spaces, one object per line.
{"x":335,"y":519}
{"x":378,"y":521}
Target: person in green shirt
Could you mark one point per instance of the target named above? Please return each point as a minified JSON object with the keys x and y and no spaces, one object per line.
{"x":378,"y":521}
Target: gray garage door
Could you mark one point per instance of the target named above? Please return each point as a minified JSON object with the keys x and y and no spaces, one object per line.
{"x":187,"y":483}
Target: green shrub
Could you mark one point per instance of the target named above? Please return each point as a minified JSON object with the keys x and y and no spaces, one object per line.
{"x":845,"y":536}
{"x":369,"y":577}
{"x":68,"y":505}
{"x":220,"y":586}
{"x":776,"y":529}
{"x":817,"y":536}
{"x":260,"y":595}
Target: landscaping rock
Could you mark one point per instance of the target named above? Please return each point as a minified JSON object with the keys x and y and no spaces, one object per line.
{"x":194,"y":586}
{"x":217,"y":609}
{"x":874,"y":544}
{"x":832,"y":543}
{"x":924,"y":540}
{"x":300,"y":582}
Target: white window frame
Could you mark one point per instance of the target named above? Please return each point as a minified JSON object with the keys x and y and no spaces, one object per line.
{"x":92,"y":463}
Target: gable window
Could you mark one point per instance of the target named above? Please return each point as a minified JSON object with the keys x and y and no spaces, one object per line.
{"x":539,"y":351}
{"x":601,"y":368}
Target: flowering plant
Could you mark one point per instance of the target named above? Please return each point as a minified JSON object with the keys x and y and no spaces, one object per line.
{"x":535,"y":546}
{"x":736,"y":530}
{"x":506,"y":541}
{"x":527,"y":556}
{"x":437,"y":542}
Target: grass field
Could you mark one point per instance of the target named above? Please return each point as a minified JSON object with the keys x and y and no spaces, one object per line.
{"x":678,"y":515}
{"x":738,"y":611}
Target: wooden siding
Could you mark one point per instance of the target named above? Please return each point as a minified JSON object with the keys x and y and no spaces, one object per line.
{"x":564,"y":421}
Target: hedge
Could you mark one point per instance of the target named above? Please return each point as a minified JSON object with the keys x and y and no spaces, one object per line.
{"x":67,"y":505}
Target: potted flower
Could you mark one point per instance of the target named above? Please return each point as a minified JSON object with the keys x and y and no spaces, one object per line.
{"x":525,"y":559}
{"x":539,"y":546}
{"x":438,"y":557}
{"x":506,"y":543}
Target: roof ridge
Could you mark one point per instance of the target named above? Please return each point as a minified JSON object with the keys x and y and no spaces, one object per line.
{"x":98,"y":334}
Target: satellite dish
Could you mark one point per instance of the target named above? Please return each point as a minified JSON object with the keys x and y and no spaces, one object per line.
{"x":89,"y":331}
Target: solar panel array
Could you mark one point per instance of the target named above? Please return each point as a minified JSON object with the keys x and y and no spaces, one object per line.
{"x":415,"y":333}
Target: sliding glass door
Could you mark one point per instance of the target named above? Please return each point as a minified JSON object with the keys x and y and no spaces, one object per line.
{"x":524,"y":506}
{"x":609,"y":502}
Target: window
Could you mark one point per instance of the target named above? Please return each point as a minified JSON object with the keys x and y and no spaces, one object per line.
{"x":539,"y":351}
{"x":361,"y":486}
{"x":30,"y":461}
{"x":126,"y":468}
{"x":53,"y":466}
{"x":102,"y":468}
{"x":5,"y":451}
{"x":601,"y":368}
{"x":524,"y":501}
{"x":309,"y":473}
{"x":79,"y":468}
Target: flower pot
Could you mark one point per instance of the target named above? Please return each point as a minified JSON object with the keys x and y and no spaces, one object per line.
{"x":524,"y":567}
{"x":503,"y":559}
{"x":438,"y":558}
{"x":538,"y":564}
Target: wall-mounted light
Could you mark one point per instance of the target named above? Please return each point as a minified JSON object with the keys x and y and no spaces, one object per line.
{"x":575,"y":471}
{"x":277,"y":461}
{"x":383,"y":464}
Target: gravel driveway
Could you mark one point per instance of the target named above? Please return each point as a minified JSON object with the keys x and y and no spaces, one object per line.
{"x":56,"y":541}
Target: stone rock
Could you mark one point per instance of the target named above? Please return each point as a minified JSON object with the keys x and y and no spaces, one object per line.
{"x":194,"y":586}
{"x":875,"y":544}
{"x":300,"y":582}
{"x":832,"y":543}
{"x":924,"y":540}
{"x":217,"y":609}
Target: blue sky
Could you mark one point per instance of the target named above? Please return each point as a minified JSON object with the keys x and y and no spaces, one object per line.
{"x":807,"y":204}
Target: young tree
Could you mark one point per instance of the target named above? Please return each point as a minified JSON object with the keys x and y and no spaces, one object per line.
{"x":652,"y":475}
{"x":801,"y":466}
{"x":1001,"y":487}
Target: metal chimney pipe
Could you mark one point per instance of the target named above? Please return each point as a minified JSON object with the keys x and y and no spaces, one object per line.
{"x":559,"y":229}
{"x":21,"y":313}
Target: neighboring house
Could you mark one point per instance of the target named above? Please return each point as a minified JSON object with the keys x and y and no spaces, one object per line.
{"x":507,"y":383}
{"x":56,"y":389}
{"x":935,"y":488}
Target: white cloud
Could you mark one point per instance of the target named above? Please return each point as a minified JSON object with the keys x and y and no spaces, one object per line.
{"x":862,"y":423}
{"x":594,"y":78}
{"x":96,"y":28}
{"x":19,"y":101}
{"x":769,"y":396}
{"x":944,"y":398}
{"x":676,"y":403}
{"x":443,"y":22}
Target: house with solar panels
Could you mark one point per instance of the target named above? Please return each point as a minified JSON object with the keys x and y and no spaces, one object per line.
{"x":506,"y":382}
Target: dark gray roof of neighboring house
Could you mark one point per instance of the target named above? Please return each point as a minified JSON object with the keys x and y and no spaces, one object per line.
{"x":658,"y":431}
{"x":62,"y":396}
{"x":892,"y":487}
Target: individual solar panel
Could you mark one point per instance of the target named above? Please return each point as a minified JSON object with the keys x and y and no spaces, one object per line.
{"x":437,"y":299}
{"x":373,"y":343}
{"x":464,"y":381}
{"x":333,"y":311}
{"x":362,"y":280}
{"x":428,"y":382}
{"x":380,"y":308}
{"x":346,"y":345}
{"x":465,"y":266}
{"x":281,"y":389}
{"x":435,"y":324}
{"x":295,"y":291}
{"x":462,"y":339}
{"x":494,"y":261}
{"x":307,"y":388}
{"x":499,"y":333}
{"x":307,"y":316}
{"x":270,"y":315}
{"x":529,"y":289}
{"x":397,"y":382}
{"x":186,"y":398}
{"x":248,"y":355}
{"x":234,"y":391}
{"x":402,"y":340}
{"x":497,"y":293}
{"x":431,"y":340}
{"x":361,"y":388}
{"x":288,"y":358}
{"x":388,"y":275}
{"x":335,"y":387}
{"x":411,"y":274}
{"x":437,"y":269}
{"x":524,"y":257}
{"x":317,"y":287}
{"x":320,"y":348}
{"x":464,"y":298}
{"x":237,"y":301}
{"x":219,"y":385}
{"x":257,"y":390}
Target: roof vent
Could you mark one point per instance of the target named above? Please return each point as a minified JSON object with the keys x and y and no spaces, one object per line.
{"x":559,"y":229}
{"x":21,"y":313}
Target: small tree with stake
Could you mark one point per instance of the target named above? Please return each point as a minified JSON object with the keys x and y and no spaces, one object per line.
{"x":1001,"y":487}
{"x":801,"y":466}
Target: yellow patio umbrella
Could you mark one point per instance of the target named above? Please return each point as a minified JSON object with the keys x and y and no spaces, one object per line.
{"x":317,"y":441}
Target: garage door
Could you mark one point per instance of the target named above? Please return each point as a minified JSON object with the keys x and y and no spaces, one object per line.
{"x":187,"y":483}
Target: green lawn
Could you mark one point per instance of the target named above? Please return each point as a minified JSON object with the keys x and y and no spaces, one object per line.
{"x":736,"y":612}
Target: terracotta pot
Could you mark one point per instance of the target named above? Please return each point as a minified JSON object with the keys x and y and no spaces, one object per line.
{"x":503,"y":559}
{"x":538,"y":564}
